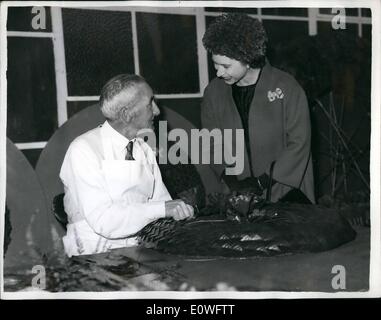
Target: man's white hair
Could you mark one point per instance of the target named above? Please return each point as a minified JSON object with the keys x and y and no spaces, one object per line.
{"x":116,"y":92}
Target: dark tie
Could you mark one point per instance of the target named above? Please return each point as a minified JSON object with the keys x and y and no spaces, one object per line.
{"x":129,"y":148}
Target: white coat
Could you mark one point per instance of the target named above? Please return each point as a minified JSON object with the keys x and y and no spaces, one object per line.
{"x":107,"y":198}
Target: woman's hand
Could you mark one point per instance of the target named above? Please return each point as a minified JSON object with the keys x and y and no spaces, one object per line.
{"x":248,"y":184}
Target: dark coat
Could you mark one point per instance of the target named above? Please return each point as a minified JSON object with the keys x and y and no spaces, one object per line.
{"x":279,"y":129}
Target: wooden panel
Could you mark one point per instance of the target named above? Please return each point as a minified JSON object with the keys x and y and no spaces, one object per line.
{"x":28,"y":213}
{"x":49,"y":164}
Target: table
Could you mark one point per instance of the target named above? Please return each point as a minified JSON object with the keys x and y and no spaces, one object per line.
{"x":299,"y":272}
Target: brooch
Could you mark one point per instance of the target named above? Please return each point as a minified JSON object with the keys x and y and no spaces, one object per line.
{"x":277,"y":94}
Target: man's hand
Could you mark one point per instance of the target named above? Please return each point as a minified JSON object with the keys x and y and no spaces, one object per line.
{"x":178,"y":210}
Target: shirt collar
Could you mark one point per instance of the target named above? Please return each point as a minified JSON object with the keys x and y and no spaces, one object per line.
{"x":118,"y":140}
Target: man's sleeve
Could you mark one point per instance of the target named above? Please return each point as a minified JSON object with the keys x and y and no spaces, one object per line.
{"x":81,"y":173}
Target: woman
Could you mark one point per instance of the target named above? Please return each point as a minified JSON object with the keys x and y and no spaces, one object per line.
{"x":248,"y":93}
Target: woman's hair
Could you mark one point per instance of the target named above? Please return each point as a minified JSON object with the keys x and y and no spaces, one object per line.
{"x":116,"y":92}
{"x":238,"y":37}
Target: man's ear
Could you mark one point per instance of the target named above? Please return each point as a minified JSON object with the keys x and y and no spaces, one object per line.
{"x":126,"y":115}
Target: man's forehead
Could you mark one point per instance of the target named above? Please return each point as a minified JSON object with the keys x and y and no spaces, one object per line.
{"x":139,"y":91}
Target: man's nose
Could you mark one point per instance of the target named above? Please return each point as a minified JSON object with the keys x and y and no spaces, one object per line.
{"x":155,"y":109}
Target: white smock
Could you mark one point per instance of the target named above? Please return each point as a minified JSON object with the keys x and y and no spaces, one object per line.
{"x":108,"y":198}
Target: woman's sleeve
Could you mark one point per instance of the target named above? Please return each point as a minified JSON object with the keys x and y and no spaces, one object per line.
{"x":209,"y":121}
{"x":291,"y":165}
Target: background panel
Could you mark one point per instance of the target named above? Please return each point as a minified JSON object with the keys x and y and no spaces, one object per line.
{"x":20,"y":19}
{"x":98,"y":46}
{"x":168,"y":52}
{"x":32,"y":100}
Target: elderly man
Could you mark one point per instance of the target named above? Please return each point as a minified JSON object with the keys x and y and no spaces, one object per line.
{"x":113,"y":186}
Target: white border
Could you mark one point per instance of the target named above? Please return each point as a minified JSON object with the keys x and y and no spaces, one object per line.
{"x":31,"y":145}
{"x":3,"y":133}
{"x":135,"y":43}
{"x":60,"y":64}
{"x":375,"y":159}
{"x":30,"y":34}
{"x":375,"y":287}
